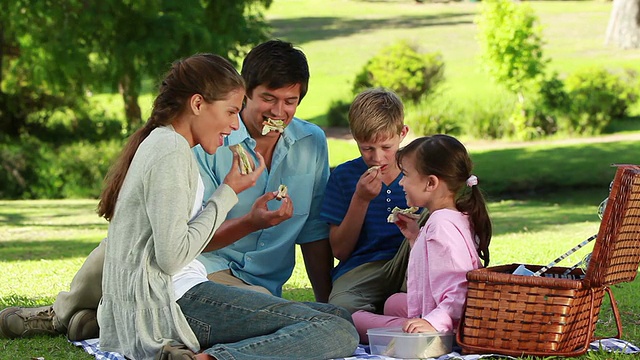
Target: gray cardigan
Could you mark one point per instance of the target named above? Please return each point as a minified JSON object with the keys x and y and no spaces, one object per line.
{"x":150,"y":238}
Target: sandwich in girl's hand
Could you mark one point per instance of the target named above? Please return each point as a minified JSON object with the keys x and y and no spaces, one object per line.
{"x":410,"y":212}
{"x":272,"y":125}
{"x":245,"y":164}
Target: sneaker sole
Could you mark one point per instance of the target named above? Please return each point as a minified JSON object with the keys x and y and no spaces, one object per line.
{"x":3,"y":314}
{"x":83,"y":325}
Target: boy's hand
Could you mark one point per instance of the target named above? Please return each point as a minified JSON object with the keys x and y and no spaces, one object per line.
{"x":369,"y":185}
{"x":418,"y":326}
{"x":261,"y":217}
{"x":408,"y":227}
{"x":239,"y":182}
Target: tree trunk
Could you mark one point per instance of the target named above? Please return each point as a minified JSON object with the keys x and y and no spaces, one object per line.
{"x":1,"y":52}
{"x":130,"y":89}
{"x":623,"y":30}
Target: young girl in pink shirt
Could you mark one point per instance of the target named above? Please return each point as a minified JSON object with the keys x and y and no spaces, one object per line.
{"x":456,"y":236}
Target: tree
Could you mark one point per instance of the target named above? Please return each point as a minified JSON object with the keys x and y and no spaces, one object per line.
{"x":512,"y":52}
{"x":511,"y":43}
{"x":80,"y":45}
{"x":624,"y":24}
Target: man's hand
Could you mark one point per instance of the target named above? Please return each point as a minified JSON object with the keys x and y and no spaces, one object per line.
{"x":418,"y":326}
{"x":260,"y":217}
{"x":239,"y":182}
{"x":369,"y":185}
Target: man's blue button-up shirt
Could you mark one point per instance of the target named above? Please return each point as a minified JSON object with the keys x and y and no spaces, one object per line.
{"x":300,"y":161}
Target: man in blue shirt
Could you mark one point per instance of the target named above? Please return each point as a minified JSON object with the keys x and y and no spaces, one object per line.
{"x":256,"y":244}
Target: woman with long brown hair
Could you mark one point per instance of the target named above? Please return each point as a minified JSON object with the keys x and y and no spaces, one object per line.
{"x":156,"y":295}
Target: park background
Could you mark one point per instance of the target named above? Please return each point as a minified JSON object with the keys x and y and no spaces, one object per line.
{"x":543,"y":190}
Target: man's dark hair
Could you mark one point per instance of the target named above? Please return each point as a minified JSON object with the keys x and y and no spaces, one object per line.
{"x":275,"y":64}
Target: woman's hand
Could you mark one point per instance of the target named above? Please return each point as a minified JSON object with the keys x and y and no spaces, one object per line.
{"x":239,"y":182}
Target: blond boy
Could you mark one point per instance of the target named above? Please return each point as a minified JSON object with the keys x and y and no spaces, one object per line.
{"x":360,"y":195}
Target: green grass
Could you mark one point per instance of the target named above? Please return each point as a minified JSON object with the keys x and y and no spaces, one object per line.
{"x":44,"y":242}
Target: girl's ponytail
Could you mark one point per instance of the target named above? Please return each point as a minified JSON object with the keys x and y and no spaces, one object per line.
{"x":472,"y":202}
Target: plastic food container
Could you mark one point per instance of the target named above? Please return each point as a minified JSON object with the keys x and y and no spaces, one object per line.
{"x":396,"y":343}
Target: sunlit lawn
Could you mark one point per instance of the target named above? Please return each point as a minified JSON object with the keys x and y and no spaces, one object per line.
{"x":44,"y":242}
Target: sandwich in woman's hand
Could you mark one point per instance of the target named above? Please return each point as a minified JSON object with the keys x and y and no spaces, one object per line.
{"x":282,"y":192}
{"x":272,"y":125}
{"x":245,"y":164}
{"x":410,"y":212}
{"x":374,"y":168}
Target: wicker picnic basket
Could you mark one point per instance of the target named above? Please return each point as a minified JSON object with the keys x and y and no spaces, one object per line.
{"x":556,"y":315}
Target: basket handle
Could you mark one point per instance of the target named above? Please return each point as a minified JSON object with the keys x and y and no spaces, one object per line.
{"x":616,"y":313}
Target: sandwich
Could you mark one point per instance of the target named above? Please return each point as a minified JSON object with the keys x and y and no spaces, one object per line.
{"x":410,"y":212}
{"x":374,"y":168}
{"x":282,"y":192}
{"x":272,"y":125}
{"x":245,"y":164}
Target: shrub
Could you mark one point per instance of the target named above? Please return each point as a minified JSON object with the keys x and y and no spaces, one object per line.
{"x":14,"y":162}
{"x":338,"y":113}
{"x":85,"y":165}
{"x":547,"y":105}
{"x":434,"y":117}
{"x":399,"y":67}
{"x":597,"y":97}
{"x":33,"y":169}
{"x":65,"y":125}
{"x":487,"y":120}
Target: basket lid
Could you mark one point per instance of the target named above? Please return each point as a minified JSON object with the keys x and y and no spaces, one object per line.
{"x":616,"y":254}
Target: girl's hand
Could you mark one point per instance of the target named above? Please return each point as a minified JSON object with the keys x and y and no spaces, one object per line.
{"x":239,"y":182}
{"x":418,"y":326}
{"x":409,"y":227}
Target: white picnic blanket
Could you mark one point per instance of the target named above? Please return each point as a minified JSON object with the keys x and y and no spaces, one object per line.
{"x":612,"y":345}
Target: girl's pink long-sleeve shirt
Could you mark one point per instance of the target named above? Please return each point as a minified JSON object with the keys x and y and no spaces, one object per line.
{"x":443,"y":253}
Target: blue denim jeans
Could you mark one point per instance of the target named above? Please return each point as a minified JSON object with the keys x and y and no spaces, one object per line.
{"x":235,"y":323}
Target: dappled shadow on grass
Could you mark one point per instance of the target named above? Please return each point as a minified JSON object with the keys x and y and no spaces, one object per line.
{"x":13,"y":218}
{"x":547,"y":168}
{"x":307,"y":29}
{"x":20,"y":213}
{"x":24,"y":250}
{"x":544,"y":211}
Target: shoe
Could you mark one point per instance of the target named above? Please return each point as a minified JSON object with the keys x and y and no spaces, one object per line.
{"x":179,"y":352}
{"x":83,"y":325}
{"x":16,"y":322}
